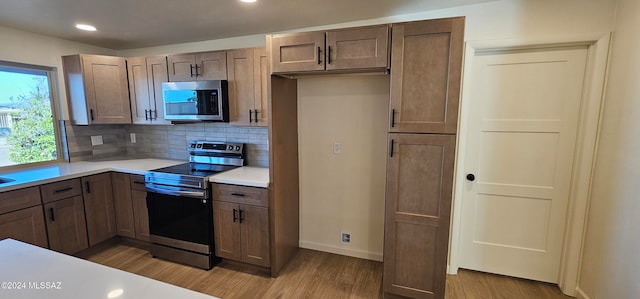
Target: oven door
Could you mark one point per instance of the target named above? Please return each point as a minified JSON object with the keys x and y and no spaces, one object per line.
{"x":180,"y":221}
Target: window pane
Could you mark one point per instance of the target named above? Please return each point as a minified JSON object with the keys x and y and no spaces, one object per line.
{"x":27,"y":132}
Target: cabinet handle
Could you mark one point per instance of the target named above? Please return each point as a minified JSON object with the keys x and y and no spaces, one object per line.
{"x":155,"y":114}
{"x":250,"y":119}
{"x":319,"y":53}
{"x":393,"y":118}
{"x":138,"y":182}
{"x":146,"y":115}
{"x":63,"y":190}
{"x":391,"y":149}
{"x":191,"y":73}
{"x":328,"y":54}
{"x":197,"y":72}
{"x":256,"y":116}
{"x":234,"y":215}
{"x":241,"y":218}
{"x":91,"y":113}
{"x":237,"y":194}
{"x":52,"y":216}
{"x":87,"y":186}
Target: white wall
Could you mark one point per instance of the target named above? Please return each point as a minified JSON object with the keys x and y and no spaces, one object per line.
{"x":30,"y":48}
{"x":343,"y":192}
{"x":611,"y":260}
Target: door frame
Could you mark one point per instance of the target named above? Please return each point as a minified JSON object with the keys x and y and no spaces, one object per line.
{"x":598,"y":46}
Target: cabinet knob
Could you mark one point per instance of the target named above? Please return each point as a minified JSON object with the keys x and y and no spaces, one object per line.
{"x":471,"y":177}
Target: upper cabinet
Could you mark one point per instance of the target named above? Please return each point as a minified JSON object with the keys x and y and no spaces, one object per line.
{"x":198,"y":66}
{"x":97,"y":89}
{"x":248,"y":75}
{"x":146,"y":75}
{"x":426,"y":63}
{"x":352,"y":49}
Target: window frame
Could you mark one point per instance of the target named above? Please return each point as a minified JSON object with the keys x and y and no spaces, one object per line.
{"x":8,"y":66}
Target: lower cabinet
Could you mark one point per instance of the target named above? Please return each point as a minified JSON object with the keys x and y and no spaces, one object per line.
{"x":21,"y":216}
{"x":130,"y":199}
{"x":125,"y":225}
{"x":26,"y":225}
{"x":417,"y":213}
{"x":66,"y":225}
{"x":139,"y":202}
{"x":99,"y":207}
{"x":241,"y":224}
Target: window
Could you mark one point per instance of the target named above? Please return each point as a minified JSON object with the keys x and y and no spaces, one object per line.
{"x":28,"y":130}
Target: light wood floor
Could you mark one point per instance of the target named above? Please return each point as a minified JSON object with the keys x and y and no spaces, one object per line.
{"x":311,"y":274}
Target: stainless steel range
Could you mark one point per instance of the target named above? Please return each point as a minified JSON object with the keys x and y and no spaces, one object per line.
{"x":179,"y":203}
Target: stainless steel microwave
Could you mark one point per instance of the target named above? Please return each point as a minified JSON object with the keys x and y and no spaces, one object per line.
{"x":196,"y":100}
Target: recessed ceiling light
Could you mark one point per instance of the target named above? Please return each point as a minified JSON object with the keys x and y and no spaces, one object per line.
{"x":248,"y":1}
{"x":85,"y":27}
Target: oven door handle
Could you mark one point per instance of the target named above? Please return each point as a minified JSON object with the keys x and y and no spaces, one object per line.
{"x":194,"y":194}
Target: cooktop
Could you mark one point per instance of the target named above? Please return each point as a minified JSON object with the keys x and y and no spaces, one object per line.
{"x":195,"y":169}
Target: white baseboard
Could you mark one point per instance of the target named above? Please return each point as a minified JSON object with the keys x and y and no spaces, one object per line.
{"x":375,"y":256}
{"x":580,"y":294}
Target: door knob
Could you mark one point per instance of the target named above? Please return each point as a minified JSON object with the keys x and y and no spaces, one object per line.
{"x":471,"y":177}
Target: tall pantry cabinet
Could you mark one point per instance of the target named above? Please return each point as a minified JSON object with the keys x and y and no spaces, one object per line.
{"x":426,"y":63}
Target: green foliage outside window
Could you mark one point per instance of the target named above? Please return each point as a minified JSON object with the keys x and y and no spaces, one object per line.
{"x":33,"y":137}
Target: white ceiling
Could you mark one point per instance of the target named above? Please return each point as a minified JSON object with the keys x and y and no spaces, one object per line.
{"x":127,"y":24}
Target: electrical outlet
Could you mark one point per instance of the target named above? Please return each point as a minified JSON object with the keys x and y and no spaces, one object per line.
{"x":96,"y":140}
{"x":133,"y":137}
{"x":345,"y":237}
{"x":337,"y":148}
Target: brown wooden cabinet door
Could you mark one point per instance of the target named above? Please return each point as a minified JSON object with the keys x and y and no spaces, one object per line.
{"x":212,"y":65}
{"x":254,"y":232}
{"x":417,"y":213}
{"x":261,"y":77}
{"x":181,"y":67}
{"x":99,"y":207}
{"x":26,"y":225}
{"x":241,"y":86}
{"x":106,"y":89}
{"x":298,"y":52}
{"x":125,"y":223}
{"x":138,"y":90}
{"x":426,"y":65}
{"x":226,"y":230}
{"x":156,"y":74}
{"x":141,"y":214}
{"x":358,"y":48}
{"x":66,"y":225}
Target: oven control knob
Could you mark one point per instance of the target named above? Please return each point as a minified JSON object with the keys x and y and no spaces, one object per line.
{"x":230,"y":147}
{"x":237,"y":147}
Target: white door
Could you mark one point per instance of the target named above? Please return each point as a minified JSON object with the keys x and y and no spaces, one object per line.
{"x":520,"y":147}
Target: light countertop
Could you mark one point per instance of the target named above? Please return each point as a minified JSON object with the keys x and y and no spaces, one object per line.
{"x":245,"y":176}
{"x":34,"y":272}
{"x":57,"y":172}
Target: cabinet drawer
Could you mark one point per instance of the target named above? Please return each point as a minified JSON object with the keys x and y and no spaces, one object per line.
{"x":137,"y":182}
{"x":60,"y":190}
{"x":241,"y":194}
{"x":19,"y":199}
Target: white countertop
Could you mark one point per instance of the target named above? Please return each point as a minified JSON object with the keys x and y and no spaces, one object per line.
{"x":57,"y":172}
{"x":42,"y":273}
{"x":245,"y":176}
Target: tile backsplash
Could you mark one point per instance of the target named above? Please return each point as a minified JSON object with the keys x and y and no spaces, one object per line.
{"x":163,"y":141}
